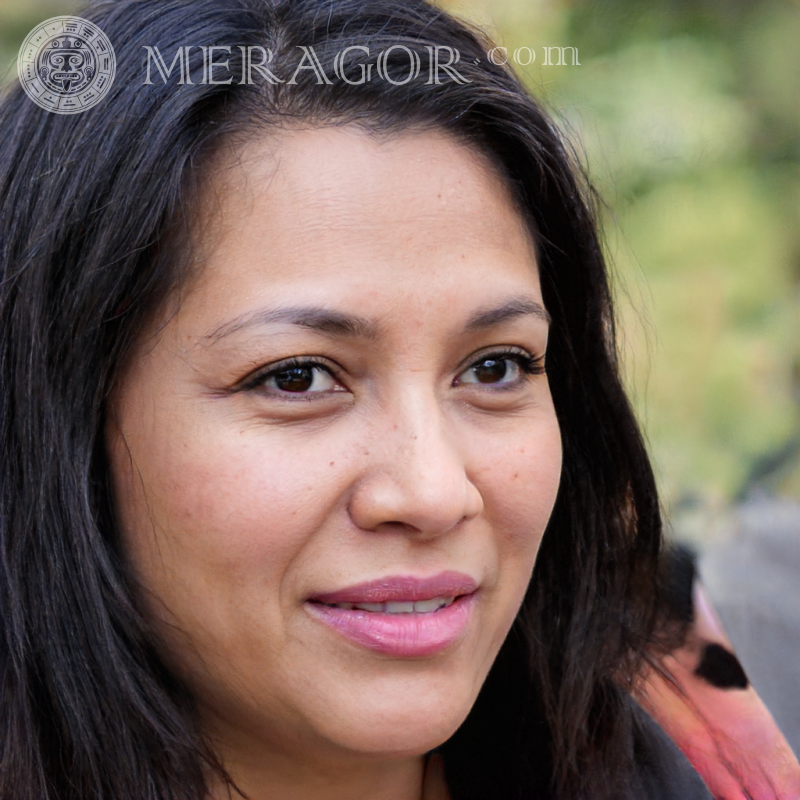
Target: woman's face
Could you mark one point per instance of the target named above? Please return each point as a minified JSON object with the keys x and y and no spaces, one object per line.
{"x":346,"y":407}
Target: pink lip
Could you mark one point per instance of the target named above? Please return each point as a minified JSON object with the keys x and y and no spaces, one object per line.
{"x":414,"y":635}
{"x":402,"y":587}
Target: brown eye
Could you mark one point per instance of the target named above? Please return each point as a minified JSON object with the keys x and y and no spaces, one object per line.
{"x":300,"y":379}
{"x":490,"y":370}
{"x":493,"y":370}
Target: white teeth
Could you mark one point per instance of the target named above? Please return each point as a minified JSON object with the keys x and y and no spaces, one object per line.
{"x":369,"y":606}
{"x":401,"y":606}
{"x":426,"y":606}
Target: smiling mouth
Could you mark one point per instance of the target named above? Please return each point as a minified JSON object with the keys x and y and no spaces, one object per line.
{"x":401,"y":616}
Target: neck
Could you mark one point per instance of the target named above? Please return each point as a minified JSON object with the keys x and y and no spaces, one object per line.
{"x":371,"y":780}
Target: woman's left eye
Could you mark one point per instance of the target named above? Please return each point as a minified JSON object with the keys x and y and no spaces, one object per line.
{"x":501,"y":369}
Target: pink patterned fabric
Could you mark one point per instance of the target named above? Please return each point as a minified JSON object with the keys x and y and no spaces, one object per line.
{"x":702,"y":699}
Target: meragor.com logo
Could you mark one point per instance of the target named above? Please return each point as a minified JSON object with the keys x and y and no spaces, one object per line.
{"x":66,"y":65}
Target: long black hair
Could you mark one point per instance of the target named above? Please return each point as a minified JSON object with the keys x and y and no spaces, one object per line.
{"x":95,"y":211}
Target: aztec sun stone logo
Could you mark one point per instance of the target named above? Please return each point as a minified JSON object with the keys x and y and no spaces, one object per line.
{"x":66,"y":65}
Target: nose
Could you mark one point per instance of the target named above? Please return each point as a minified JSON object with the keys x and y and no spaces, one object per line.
{"x":415,"y":477}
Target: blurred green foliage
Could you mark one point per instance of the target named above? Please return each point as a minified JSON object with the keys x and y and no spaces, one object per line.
{"x":687,"y":115}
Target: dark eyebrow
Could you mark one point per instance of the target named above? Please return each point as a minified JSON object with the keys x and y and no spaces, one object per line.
{"x":315,"y":318}
{"x":518,"y":307}
{"x":334,"y":323}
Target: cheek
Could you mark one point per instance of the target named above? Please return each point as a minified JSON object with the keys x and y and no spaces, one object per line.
{"x":217,"y":536}
{"x":518,"y":479}
{"x":519,"y":486}
{"x":214,"y":512}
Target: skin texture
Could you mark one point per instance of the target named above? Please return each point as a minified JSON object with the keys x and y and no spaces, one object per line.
{"x":239,"y":500}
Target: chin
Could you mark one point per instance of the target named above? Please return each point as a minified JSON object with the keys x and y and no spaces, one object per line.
{"x":410,"y":723}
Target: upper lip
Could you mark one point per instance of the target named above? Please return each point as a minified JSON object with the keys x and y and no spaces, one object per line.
{"x":395,"y":588}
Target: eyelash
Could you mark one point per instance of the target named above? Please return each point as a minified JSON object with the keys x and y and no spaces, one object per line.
{"x":528,"y":364}
{"x":258,"y":380}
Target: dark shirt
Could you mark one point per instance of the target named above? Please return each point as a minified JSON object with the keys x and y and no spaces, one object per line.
{"x":486,"y":768}
{"x":663,"y":772}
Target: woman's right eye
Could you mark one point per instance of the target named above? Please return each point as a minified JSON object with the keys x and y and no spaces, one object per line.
{"x":300,"y":379}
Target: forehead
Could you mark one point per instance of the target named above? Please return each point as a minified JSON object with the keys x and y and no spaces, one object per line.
{"x":312,"y":210}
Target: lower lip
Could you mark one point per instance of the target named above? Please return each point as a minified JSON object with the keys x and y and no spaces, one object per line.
{"x":400,"y":635}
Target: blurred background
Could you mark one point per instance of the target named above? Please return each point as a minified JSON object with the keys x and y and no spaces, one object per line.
{"x":686,"y":114}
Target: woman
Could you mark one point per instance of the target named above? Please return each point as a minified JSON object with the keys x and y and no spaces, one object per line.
{"x":281,"y":445}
